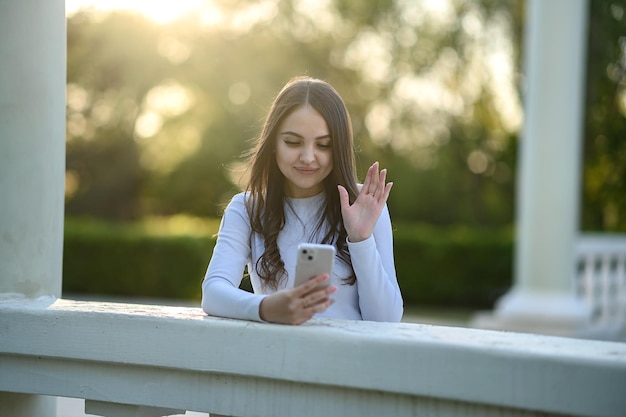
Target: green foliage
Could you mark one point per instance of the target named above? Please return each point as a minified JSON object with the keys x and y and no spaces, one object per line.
{"x":604,"y":169}
{"x":110,"y":177}
{"x":436,"y":266}
{"x":138,"y":260}
{"x":419,"y":78}
{"x":452,"y":266}
{"x":376,"y":57}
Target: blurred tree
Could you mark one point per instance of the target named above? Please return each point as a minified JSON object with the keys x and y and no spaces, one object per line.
{"x":104,"y":178}
{"x":109,"y":71}
{"x":433,"y":89}
{"x":437,"y":93}
{"x":604,"y":181}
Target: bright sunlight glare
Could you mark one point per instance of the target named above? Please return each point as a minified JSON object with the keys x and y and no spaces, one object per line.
{"x":160,"y":11}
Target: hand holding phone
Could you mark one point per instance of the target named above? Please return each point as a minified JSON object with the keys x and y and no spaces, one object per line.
{"x":281,"y":307}
{"x":314,"y":259}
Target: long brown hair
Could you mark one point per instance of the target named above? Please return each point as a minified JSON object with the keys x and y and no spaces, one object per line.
{"x":266,"y":183}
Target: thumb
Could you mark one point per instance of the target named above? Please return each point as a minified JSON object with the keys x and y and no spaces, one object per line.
{"x":343,"y":197}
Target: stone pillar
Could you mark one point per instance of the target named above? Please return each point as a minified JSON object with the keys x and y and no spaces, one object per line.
{"x":543,"y":298}
{"x":32,"y":162}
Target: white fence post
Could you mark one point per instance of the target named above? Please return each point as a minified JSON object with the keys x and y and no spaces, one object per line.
{"x":601,"y":281}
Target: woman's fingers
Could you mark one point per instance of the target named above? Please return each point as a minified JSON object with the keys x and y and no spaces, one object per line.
{"x":387,"y":190}
{"x":372,"y":173}
{"x":344,"y":198}
{"x":380,"y":184}
{"x":297,"y":305}
{"x":374,"y":183}
{"x":312,"y":298}
{"x":318,"y":296}
{"x":360,"y":217}
{"x":366,"y":183}
{"x":309,"y":285}
{"x":319,"y":307}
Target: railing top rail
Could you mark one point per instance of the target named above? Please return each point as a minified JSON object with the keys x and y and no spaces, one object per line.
{"x":498,"y":368}
{"x":601,"y":243}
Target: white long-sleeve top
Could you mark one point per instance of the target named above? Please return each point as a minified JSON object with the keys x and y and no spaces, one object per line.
{"x":375,"y":296}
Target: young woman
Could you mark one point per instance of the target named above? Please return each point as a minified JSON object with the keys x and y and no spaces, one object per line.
{"x":303,"y":188}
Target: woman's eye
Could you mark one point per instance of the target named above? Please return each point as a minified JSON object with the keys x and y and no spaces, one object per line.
{"x":291,"y":143}
{"x":324,"y":145}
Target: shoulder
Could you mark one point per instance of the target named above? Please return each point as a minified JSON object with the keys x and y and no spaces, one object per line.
{"x":240,"y":198}
{"x":236,"y":213}
{"x":238,"y":203}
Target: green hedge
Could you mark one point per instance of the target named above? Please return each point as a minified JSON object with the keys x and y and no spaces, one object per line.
{"x":140,"y":260}
{"x":452,"y":267}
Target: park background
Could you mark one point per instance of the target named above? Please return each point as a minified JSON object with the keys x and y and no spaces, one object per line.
{"x":160,"y":110}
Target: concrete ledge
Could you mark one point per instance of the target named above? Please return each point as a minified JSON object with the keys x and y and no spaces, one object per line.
{"x":176,"y":357}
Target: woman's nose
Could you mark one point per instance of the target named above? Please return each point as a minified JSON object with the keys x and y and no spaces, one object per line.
{"x":307,"y":155}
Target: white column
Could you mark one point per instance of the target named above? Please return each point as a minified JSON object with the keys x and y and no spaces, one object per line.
{"x":32,"y":162}
{"x":542,"y":299}
{"x":32,"y":146}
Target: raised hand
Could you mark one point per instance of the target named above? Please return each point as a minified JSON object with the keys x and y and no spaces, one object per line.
{"x":297,"y":305}
{"x":360,"y":218}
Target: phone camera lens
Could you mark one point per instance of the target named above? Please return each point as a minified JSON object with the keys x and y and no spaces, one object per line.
{"x":304,"y":251}
{"x":310,"y":258}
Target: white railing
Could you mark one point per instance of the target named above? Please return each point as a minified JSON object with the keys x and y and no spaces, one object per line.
{"x":601,"y":279}
{"x":127,"y":359}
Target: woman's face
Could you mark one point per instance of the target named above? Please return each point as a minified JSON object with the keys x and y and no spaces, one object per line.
{"x":304,"y":152}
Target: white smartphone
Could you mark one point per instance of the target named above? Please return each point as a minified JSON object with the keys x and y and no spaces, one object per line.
{"x":314,"y":259}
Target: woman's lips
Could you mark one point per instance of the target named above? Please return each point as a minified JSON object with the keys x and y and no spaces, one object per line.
{"x":307,"y":171}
